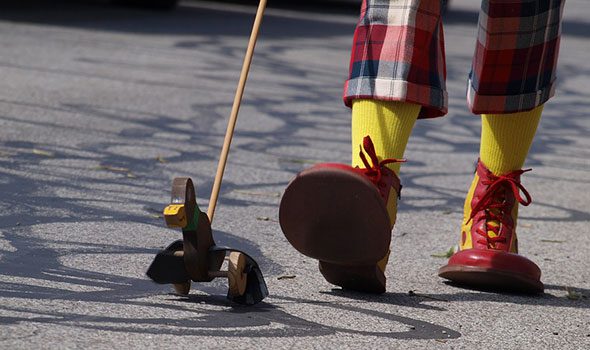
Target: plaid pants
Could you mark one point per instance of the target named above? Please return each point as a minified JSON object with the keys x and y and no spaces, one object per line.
{"x":398,"y":55}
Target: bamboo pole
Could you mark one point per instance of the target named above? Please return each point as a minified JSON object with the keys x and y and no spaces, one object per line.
{"x":235,"y":109}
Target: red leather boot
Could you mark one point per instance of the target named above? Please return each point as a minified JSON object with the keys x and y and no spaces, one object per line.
{"x":488,"y":256}
{"x":338,"y":215}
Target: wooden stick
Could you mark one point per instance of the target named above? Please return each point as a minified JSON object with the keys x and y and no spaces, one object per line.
{"x":235,"y":109}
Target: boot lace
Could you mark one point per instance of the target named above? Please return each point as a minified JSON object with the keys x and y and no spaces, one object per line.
{"x":374,"y":170}
{"x":494,"y":203}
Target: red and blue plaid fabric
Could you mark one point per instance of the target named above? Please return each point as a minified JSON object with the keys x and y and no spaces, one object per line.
{"x":398,"y":55}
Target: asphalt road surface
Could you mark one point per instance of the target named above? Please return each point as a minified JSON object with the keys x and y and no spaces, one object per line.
{"x":101,"y":106}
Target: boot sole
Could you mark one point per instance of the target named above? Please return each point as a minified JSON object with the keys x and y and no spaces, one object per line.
{"x":492,"y":279}
{"x":339,"y":218}
{"x":335,"y":216}
{"x":367,"y":279}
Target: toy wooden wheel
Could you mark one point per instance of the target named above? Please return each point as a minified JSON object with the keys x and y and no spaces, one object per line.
{"x":236,"y":276}
{"x":182,"y":288}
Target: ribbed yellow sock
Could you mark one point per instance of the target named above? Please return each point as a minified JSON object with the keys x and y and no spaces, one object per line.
{"x":507,"y":138}
{"x":389,"y":124}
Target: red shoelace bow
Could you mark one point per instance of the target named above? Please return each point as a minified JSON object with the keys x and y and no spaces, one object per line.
{"x":494,"y":203}
{"x":374,"y":171}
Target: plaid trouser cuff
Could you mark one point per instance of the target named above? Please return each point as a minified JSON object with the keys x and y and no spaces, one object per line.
{"x":515,"y":56}
{"x":398,"y":55}
{"x":434,"y":98}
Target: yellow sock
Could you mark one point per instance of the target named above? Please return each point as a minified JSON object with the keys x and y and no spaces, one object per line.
{"x":507,"y":138}
{"x":389,"y":124}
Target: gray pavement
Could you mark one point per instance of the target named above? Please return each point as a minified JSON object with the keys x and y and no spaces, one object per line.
{"x":101,"y":107}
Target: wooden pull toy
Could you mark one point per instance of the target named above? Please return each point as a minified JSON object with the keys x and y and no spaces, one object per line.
{"x":196,"y":257}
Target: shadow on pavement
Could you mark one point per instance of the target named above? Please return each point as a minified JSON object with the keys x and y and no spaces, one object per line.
{"x":35,"y":259}
{"x":190,"y":19}
{"x":468,"y":295}
{"x":47,"y":280}
{"x":98,"y":15}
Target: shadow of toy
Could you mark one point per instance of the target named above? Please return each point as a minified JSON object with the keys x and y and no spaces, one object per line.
{"x":35,"y":273}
